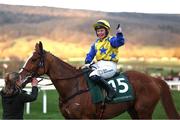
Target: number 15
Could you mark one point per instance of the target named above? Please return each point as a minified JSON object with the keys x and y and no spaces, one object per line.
{"x":120,"y":82}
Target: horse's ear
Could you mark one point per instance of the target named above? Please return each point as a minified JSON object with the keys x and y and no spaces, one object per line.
{"x":37,"y":47}
{"x":40,"y":47}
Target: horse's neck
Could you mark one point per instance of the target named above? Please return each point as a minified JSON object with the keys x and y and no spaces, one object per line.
{"x":58,"y":72}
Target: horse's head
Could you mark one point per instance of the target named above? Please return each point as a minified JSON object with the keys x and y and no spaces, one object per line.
{"x":35,"y":64}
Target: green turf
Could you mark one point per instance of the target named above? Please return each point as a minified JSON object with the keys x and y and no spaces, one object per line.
{"x":52,"y":107}
{"x":53,"y":110}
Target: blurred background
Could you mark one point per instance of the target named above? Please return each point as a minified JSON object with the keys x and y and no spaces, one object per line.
{"x":152,"y":40}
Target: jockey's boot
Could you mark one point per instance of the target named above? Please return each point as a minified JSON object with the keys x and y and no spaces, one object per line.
{"x":102,"y":83}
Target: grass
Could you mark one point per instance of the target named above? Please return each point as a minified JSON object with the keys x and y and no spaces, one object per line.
{"x":52,"y":107}
{"x":53,"y":110}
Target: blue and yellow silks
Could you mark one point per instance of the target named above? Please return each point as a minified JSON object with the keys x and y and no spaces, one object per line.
{"x":106,"y":49}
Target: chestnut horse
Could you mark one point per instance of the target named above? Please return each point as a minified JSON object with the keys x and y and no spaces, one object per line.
{"x":75,"y":99}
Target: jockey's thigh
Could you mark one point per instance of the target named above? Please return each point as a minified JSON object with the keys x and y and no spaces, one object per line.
{"x":104,"y":69}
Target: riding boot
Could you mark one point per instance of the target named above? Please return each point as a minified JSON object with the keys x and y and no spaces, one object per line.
{"x":102,"y":83}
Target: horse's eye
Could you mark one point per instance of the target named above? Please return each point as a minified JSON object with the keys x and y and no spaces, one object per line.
{"x":33,"y":60}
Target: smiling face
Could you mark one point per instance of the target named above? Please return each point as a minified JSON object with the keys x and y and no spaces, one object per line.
{"x":101,"y":33}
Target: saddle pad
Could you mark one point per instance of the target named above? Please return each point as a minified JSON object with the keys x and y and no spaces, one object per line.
{"x":124,"y":91}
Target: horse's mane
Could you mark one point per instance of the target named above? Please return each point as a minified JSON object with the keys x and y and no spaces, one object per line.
{"x":64,"y":64}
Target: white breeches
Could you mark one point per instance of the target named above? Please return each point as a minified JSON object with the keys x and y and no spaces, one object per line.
{"x":104,"y":69}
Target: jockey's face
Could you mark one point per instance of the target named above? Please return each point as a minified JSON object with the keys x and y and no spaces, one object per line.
{"x":101,"y":33}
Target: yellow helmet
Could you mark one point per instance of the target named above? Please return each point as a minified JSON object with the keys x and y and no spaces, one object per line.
{"x":102,"y":23}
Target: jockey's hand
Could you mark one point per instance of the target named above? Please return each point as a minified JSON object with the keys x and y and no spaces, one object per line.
{"x":119,"y":29}
{"x":86,"y":66}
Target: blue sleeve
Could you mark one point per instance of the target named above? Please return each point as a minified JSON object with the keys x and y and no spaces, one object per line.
{"x":117,"y":41}
{"x":91,"y":54}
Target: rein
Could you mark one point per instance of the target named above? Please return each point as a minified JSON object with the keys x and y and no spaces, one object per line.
{"x":41,"y":64}
{"x":45,"y":84}
{"x":75,"y":76}
{"x":63,"y":101}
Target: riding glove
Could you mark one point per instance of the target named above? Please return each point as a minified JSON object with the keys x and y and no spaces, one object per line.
{"x":119,"y":29}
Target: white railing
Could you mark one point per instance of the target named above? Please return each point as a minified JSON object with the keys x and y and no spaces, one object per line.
{"x":174,"y":85}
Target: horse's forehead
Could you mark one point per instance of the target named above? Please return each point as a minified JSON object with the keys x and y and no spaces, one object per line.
{"x":25,"y":63}
{"x":34,"y":54}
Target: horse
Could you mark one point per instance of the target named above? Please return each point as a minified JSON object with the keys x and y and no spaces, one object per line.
{"x":75,"y":101}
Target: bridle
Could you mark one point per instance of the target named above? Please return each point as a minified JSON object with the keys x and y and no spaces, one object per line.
{"x":41,"y":64}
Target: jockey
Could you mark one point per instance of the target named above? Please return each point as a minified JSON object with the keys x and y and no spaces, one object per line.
{"x":105,"y":49}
